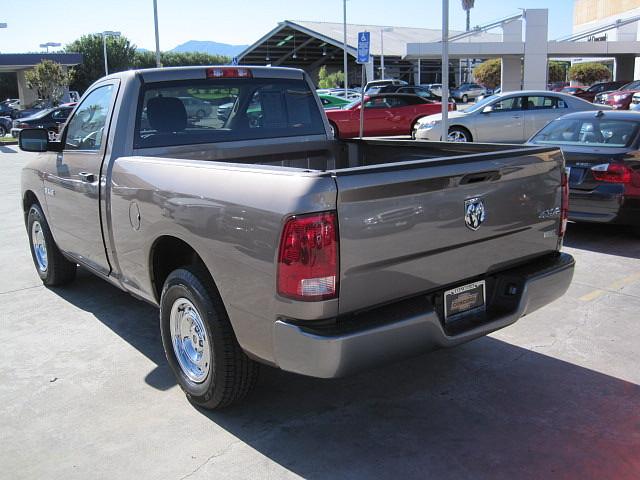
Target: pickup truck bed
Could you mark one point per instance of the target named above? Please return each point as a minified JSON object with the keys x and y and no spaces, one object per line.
{"x":316,"y":255}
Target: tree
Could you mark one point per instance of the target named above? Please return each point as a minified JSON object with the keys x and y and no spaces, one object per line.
{"x":120,"y":55}
{"x":589,"y":73}
{"x":147,"y":59}
{"x":557,"y":71}
{"x":326,"y":80}
{"x":49,"y":80}
{"x":488,"y":72}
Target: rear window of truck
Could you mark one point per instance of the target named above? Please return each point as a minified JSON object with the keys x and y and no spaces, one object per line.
{"x":222,"y":110}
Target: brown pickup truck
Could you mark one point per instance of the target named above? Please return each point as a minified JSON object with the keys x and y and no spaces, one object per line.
{"x":265,"y":240}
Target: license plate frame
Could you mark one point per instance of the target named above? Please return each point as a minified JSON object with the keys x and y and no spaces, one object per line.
{"x":465,"y":300}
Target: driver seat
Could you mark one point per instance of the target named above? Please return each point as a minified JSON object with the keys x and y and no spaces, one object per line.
{"x":167,"y":114}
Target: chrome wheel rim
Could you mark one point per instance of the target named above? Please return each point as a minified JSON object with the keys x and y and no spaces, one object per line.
{"x":457,"y":136}
{"x":39,"y":246}
{"x":190,"y":341}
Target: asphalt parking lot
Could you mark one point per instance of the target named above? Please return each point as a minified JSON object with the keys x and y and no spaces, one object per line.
{"x":85,"y":391}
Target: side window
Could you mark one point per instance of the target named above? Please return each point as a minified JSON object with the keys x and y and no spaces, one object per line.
{"x":396,"y":102}
{"x":378,"y":102}
{"x":545,"y":103}
{"x":508,"y":104}
{"x":61,"y":114}
{"x":86,"y":128}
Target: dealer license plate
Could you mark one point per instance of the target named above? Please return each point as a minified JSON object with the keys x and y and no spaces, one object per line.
{"x":464,"y":300}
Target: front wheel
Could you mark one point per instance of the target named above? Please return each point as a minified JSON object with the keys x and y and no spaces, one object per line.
{"x":201,"y":348}
{"x":465,"y":98}
{"x":460,"y":135}
{"x":52,"y":267}
{"x":3,"y":131}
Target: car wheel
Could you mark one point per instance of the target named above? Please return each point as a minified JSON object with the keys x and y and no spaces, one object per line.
{"x":465,"y":98}
{"x":52,"y":267}
{"x":199,"y":342}
{"x":459,"y":134}
{"x":3,"y":131}
{"x":334,"y":129}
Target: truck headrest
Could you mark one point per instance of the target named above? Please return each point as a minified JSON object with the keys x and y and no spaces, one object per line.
{"x":166,"y":114}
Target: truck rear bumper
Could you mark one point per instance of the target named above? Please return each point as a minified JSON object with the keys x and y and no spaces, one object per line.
{"x":410,"y":327}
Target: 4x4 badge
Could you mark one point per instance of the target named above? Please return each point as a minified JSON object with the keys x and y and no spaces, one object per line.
{"x":474,"y":213}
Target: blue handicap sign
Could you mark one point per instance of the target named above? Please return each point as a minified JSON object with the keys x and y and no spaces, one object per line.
{"x":234,"y":61}
{"x":364,"y":42}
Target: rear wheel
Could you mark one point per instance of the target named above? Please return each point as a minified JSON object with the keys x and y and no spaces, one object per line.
{"x":459,"y":134}
{"x":3,"y":131}
{"x":52,"y":267}
{"x":201,"y":348}
{"x":465,"y":98}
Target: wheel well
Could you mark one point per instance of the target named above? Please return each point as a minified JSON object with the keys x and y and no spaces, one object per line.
{"x":168,"y":254}
{"x":29,"y":199}
{"x":335,"y":128}
{"x":466,"y":130}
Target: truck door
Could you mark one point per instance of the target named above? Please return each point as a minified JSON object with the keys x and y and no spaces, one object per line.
{"x":72,"y":183}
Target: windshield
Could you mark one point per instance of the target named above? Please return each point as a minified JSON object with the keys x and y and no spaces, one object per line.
{"x":592,"y":132}
{"x":480,"y":105}
{"x":631,"y":86}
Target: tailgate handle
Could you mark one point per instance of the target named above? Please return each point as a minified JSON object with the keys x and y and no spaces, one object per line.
{"x":480,"y":177}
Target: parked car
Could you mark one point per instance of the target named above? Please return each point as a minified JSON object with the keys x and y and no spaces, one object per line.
{"x":418,"y":90}
{"x":196,"y":107}
{"x":590,"y":93}
{"x":436,"y":88}
{"x":602,"y":154}
{"x":50,"y":119}
{"x":619,"y":99}
{"x":557,"y":86}
{"x":5,"y":125}
{"x":384,"y":114}
{"x":330,"y":101}
{"x":263,"y":243}
{"x":339,"y":92}
{"x":468,"y":91}
{"x":34,"y":108}
{"x":510,"y":117}
{"x":375,"y":86}
{"x":7,"y":111}
{"x":573,"y":90}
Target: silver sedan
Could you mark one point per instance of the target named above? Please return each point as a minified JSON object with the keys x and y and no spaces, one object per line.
{"x":511,"y":117}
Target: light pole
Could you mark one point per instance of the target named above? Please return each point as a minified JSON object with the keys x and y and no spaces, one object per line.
{"x":344,"y":45}
{"x":382,"y":30}
{"x":155,"y":21}
{"x":49,"y":44}
{"x":445,"y":70}
{"x":105,"y":34}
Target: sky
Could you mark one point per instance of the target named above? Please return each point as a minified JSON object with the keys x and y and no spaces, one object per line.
{"x":33,"y":22}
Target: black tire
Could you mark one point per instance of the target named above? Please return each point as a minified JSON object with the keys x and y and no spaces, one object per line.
{"x":461,"y":132}
{"x":58,"y":270}
{"x":465,"y":98}
{"x":232,"y":374}
{"x":334,"y":130}
{"x":3,"y":131}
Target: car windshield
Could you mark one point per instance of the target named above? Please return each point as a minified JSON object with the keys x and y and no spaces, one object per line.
{"x":631,"y":86}
{"x":40,"y":113}
{"x":481,"y":104}
{"x":594,"y":132}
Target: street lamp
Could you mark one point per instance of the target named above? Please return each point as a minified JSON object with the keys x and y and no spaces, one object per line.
{"x":344,"y":45}
{"x":49,"y":44}
{"x":382,"y":30}
{"x":105,"y":34}
{"x":445,"y":71}
{"x":155,"y":21}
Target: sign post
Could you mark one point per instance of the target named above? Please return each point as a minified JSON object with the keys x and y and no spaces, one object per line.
{"x":364,"y":44}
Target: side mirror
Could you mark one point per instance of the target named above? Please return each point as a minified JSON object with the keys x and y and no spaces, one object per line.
{"x":487,"y":109}
{"x":37,"y":140}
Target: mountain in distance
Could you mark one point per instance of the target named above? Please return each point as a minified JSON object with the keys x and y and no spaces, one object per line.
{"x":212,"y":48}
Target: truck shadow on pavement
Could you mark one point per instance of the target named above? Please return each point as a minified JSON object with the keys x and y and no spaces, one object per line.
{"x":609,"y":239}
{"x":487,"y":409}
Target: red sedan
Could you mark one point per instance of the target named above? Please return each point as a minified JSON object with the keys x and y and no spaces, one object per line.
{"x":384,"y":114}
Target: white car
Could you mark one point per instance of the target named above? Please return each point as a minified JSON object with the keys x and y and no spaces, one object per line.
{"x":511,"y":117}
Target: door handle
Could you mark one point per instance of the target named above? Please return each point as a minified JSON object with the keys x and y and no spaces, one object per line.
{"x":87,"y":177}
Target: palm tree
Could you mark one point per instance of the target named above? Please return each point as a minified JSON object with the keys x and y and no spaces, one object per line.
{"x":467,"y":5}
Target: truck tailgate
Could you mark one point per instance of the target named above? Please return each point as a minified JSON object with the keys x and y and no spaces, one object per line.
{"x":403,"y":229}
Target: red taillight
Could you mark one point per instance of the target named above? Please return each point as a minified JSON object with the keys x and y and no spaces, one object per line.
{"x":23,"y":125}
{"x":229,"y":72}
{"x":612,"y":173}
{"x":308,"y":257}
{"x":564,"y":205}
